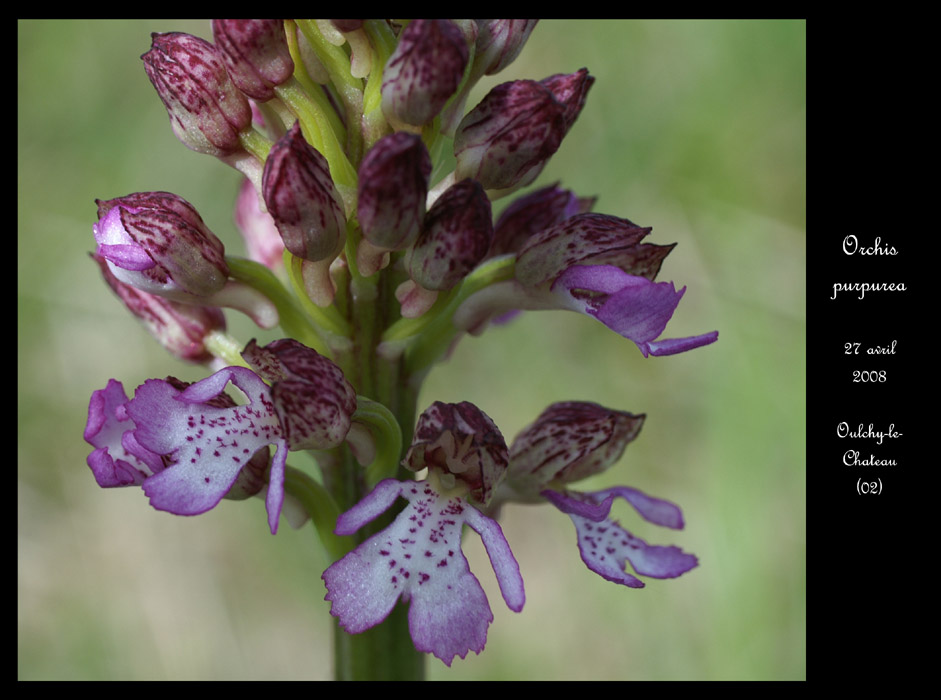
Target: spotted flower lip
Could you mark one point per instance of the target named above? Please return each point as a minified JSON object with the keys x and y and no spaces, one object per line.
{"x":185,"y":446}
{"x":418,"y":558}
{"x":606,"y":547}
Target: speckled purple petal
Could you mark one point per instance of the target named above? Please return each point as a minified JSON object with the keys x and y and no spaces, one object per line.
{"x":569,"y":441}
{"x":606,"y":547}
{"x":419,"y":558}
{"x":312,"y":398}
{"x":580,"y":239}
{"x":209,"y":445}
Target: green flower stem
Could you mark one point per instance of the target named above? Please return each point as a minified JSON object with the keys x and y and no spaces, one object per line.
{"x":329,"y":318}
{"x":349,"y":88}
{"x":292,"y":318}
{"x":318,"y":128}
{"x":323,"y":510}
{"x":387,"y":435}
{"x":226,"y":348}
{"x":255,"y":143}
{"x":440,"y":332}
{"x":383,"y":44}
{"x":313,"y":89}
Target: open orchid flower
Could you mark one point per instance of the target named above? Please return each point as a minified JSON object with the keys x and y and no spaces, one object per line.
{"x":186,"y":445}
{"x":594,"y":264}
{"x":189,"y":446}
{"x":418,"y":558}
{"x":569,"y":442}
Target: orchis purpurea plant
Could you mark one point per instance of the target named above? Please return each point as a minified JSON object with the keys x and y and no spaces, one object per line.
{"x":372,"y":257}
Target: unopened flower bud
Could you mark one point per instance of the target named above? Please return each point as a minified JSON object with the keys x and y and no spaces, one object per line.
{"x":313,"y":400}
{"x":461,"y":443}
{"x":499,"y":42}
{"x":532,"y":213}
{"x":424,"y":71}
{"x":255,"y":53}
{"x":569,"y":441}
{"x":158,"y":243}
{"x":506,"y":139}
{"x":206,"y":110}
{"x":302,"y":199}
{"x":181,"y":328}
{"x":455,"y":236}
{"x":393,"y":187}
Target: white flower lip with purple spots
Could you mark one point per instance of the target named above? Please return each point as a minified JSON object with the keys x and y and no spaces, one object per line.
{"x":606,"y":547}
{"x":184,"y":447}
{"x":418,"y":558}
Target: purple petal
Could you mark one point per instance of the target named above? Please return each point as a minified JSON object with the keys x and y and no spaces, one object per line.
{"x":630,"y":305}
{"x":673,"y":346}
{"x":370,"y":507}
{"x":118,"y":459}
{"x":502,"y":560}
{"x":606,"y":548}
{"x":419,"y":558}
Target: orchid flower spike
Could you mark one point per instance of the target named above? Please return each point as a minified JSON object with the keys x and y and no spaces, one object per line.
{"x":418,"y":558}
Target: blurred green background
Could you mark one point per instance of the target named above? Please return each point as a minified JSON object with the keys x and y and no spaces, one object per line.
{"x":696,"y":128}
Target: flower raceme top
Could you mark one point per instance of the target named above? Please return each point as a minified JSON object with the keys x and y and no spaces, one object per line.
{"x":372,"y":257}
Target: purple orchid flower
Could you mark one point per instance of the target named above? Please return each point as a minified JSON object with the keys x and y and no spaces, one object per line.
{"x":568,"y":442}
{"x":187,"y":445}
{"x":418,"y":558}
{"x":594,"y":264}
